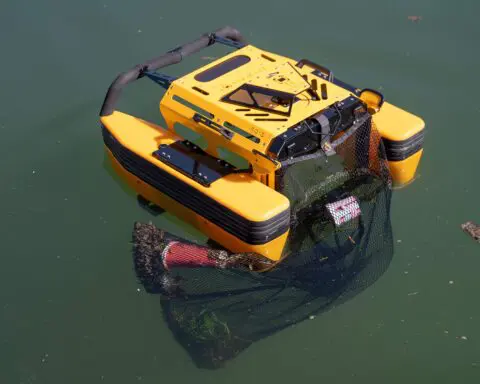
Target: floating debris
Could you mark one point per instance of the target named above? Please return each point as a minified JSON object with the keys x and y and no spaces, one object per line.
{"x":415,"y":19}
{"x":413,"y":293}
{"x":450,"y":282}
{"x":208,"y":58}
{"x":472,"y":229}
{"x":312,"y":317}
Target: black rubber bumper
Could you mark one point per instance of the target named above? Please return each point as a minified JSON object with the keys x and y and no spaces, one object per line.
{"x":401,"y":150}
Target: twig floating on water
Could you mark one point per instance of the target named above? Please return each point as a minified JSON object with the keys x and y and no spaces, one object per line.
{"x":472,"y":229}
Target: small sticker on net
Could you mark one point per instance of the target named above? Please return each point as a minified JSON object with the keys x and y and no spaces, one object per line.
{"x":345,"y":210}
{"x":328,"y":149}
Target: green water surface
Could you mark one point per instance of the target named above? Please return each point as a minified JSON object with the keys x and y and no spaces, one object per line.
{"x":71,"y":309}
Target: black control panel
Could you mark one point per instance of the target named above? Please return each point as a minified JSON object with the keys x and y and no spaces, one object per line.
{"x":193,"y":162}
{"x":309,"y":135}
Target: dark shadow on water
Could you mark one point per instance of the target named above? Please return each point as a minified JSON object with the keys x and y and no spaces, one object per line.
{"x":107,"y":166}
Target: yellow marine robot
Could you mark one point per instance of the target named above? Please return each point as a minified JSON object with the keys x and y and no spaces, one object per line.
{"x":267,"y":109}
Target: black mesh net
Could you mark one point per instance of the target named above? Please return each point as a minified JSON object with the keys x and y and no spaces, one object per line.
{"x":340,"y":242}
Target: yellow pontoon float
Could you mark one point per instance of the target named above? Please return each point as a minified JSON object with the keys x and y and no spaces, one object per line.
{"x":268,"y":109}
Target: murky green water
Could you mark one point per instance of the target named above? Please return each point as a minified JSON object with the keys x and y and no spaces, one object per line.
{"x":71,"y":311}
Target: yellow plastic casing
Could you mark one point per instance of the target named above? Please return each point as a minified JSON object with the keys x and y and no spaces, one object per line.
{"x":402,"y":133}
{"x":263,"y":69}
{"x":238,"y":193}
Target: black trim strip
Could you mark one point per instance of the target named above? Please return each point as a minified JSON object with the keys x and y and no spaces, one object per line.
{"x":401,"y":150}
{"x":251,"y":232}
{"x":222,"y":68}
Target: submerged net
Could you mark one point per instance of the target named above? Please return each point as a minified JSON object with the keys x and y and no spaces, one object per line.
{"x":340,"y":242}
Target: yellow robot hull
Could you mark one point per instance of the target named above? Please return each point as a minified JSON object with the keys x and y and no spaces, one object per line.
{"x":236,"y":211}
{"x":403,"y":135}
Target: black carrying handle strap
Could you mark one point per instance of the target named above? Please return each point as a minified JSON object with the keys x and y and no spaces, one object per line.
{"x":172,"y":57}
{"x":327,"y":72}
